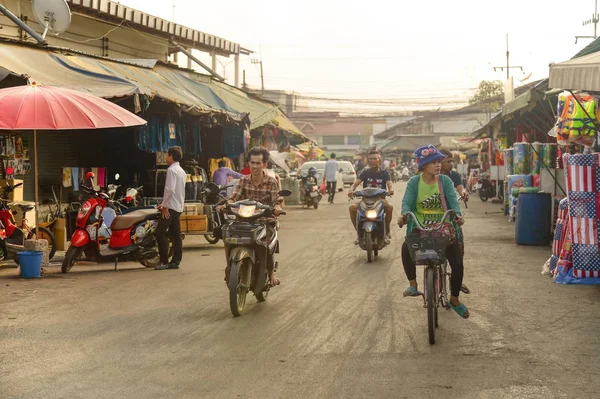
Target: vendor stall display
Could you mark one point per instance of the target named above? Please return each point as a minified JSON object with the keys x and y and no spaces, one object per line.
{"x":521,"y":158}
{"x":559,"y":237}
{"x":536,"y":158}
{"x":576,"y":119}
{"x":508,"y":161}
{"x":549,"y":154}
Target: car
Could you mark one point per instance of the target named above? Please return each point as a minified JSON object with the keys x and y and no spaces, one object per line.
{"x":318,"y":165}
{"x":348,"y":172}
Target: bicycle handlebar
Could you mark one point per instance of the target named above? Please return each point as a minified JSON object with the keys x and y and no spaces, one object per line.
{"x":449,"y":212}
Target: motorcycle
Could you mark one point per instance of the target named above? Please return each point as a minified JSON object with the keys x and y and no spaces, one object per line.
{"x":395,"y":176}
{"x":405,"y":177}
{"x":131,"y":235}
{"x":247,"y":246}
{"x":214,"y":196}
{"x":487,"y":189}
{"x":12,"y":235}
{"x":371,"y":221}
{"x":312,"y":196}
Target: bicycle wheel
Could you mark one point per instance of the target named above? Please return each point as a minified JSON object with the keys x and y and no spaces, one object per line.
{"x":430,"y":281}
{"x":46,"y":235}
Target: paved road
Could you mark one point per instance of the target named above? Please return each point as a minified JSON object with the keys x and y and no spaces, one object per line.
{"x":337,"y":327}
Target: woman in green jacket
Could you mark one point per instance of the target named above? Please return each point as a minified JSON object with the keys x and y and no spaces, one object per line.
{"x":424,"y":199}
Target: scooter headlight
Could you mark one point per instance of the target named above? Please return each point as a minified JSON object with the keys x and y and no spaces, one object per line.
{"x":371,"y":214}
{"x":246,"y":211}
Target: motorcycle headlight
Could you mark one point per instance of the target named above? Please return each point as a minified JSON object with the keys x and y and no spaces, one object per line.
{"x":246,"y":211}
{"x":371,"y":214}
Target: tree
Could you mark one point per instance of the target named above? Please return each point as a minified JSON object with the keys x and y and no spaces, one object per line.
{"x":489,"y":96}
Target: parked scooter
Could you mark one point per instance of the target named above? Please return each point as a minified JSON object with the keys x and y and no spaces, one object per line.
{"x":371,"y":221}
{"x":247,"y":246}
{"x":487,"y":189}
{"x":132,"y":235}
{"x":13,"y":236}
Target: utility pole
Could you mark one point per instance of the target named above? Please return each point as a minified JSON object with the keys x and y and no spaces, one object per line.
{"x":595,"y":19}
{"x":244,"y":85}
{"x":173,"y":20}
{"x":262,"y":75}
{"x":508,"y":66}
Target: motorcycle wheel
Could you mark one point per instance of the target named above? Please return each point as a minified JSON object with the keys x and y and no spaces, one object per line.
{"x":46,"y":235}
{"x":211,"y":239}
{"x":483,"y":195}
{"x":315,"y":204}
{"x":152,"y":262}
{"x":369,"y":246}
{"x":72,"y":256}
{"x":240,"y":274}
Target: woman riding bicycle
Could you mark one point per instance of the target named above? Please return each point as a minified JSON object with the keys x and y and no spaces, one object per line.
{"x":428,"y":195}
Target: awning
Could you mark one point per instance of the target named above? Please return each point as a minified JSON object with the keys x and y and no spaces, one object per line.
{"x":409,"y":143}
{"x":195,"y":93}
{"x":526,"y":100}
{"x":581,"y":73}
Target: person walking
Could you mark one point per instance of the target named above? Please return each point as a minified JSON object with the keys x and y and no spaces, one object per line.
{"x":330,"y":176}
{"x":171,"y":209}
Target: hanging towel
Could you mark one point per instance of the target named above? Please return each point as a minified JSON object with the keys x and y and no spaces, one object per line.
{"x":102,"y":177}
{"x":95,"y":172}
{"x":66,"y":177}
{"x":75,"y":176}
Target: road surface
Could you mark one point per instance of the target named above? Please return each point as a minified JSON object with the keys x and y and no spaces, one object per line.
{"x":337,"y":327}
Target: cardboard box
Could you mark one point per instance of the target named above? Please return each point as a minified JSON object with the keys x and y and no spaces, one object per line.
{"x":194,"y":224}
{"x":190,"y":210}
{"x":17,"y":194}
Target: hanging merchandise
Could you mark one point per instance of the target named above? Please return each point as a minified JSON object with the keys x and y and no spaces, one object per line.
{"x":536,"y":158}
{"x":284,"y":142}
{"x":573,"y":124}
{"x":583,"y":193}
{"x":233,"y":140}
{"x":508,"y":162}
{"x":559,"y":236}
{"x":67,"y":179}
{"x":15,"y":152}
{"x":521,"y":159}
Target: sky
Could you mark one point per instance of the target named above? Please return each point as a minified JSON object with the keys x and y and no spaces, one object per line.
{"x":386,"y":55}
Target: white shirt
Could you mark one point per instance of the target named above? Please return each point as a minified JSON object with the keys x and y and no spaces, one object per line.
{"x":386,"y":164}
{"x":174,"y":195}
{"x":405,"y":171}
{"x":331,"y":168}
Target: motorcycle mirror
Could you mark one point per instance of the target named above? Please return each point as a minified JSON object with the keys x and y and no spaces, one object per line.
{"x":285,"y":193}
{"x":89,"y":175}
{"x":117,"y":176}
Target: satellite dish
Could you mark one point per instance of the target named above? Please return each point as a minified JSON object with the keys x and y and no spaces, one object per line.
{"x":53,"y":15}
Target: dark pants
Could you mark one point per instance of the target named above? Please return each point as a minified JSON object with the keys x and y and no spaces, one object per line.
{"x":331,"y":188}
{"x":454,"y":255}
{"x":172,"y":226}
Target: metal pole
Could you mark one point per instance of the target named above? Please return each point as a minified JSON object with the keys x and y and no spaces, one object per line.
{"x":507,"y":60}
{"x":237,"y":70}
{"x":22,"y":24}
{"x":595,"y":19}
{"x":262,"y":77}
{"x":36,"y":177}
{"x":197,"y":61}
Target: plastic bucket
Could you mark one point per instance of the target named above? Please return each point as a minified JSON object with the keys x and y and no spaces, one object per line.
{"x":30,"y":263}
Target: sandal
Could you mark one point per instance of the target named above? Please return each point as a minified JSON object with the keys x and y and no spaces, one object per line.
{"x":464,"y":289}
{"x":411,"y":291}
{"x":460,"y":310}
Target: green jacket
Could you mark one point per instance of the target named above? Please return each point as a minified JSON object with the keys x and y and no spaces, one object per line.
{"x":409,"y":202}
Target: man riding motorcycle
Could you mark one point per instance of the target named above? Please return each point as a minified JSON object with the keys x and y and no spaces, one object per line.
{"x":376,"y":178}
{"x":311,"y":176}
{"x":258,"y":186}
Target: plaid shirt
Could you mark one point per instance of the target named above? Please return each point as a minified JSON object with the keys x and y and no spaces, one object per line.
{"x":266,"y":193}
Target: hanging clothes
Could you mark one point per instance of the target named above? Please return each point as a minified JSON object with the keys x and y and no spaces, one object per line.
{"x":102,"y":177}
{"x":75,"y":176}
{"x":67,"y":179}
{"x":233,"y":140}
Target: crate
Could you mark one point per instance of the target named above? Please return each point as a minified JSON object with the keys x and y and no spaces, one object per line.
{"x":194,"y":224}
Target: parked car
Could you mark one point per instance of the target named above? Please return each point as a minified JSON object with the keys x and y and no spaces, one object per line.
{"x":349,"y":175}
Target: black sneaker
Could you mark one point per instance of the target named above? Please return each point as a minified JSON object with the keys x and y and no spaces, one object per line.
{"x":173,"y":265}
{"x":163,"y":266}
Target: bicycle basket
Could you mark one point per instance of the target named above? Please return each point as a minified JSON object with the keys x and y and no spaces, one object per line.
{"x":427,"y":246}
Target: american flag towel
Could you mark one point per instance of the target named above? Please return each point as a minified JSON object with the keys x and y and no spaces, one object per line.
{"x":583,"y":183}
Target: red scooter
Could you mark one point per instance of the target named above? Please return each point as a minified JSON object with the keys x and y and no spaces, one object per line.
{"x":132,"y":236}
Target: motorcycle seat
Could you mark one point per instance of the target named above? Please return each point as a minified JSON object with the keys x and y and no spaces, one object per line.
{"x":129,"y":219}
{"x":25,"y":208}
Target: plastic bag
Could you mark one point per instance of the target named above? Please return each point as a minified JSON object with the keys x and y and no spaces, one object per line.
{"x":323,"y":188}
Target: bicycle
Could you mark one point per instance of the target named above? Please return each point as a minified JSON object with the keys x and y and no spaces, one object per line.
{"x":429,"y":249}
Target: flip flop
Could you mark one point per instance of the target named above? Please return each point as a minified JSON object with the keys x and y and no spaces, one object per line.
{"x":460,"y":310}
{"x":411,"y":291}
{"x":464,"y":289}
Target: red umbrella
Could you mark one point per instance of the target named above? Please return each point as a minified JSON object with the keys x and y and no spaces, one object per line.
{"x":35,"y":107}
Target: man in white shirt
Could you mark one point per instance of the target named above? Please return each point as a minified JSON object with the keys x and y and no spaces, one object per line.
{"x":171,"y":209}
{"x":330,"y":175}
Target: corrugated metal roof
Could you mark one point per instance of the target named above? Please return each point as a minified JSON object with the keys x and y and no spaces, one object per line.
{"x":581,"y":73}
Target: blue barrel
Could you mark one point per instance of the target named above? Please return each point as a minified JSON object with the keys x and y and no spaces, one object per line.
{"x":30,"y":263}
{"x":533,"y":224}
